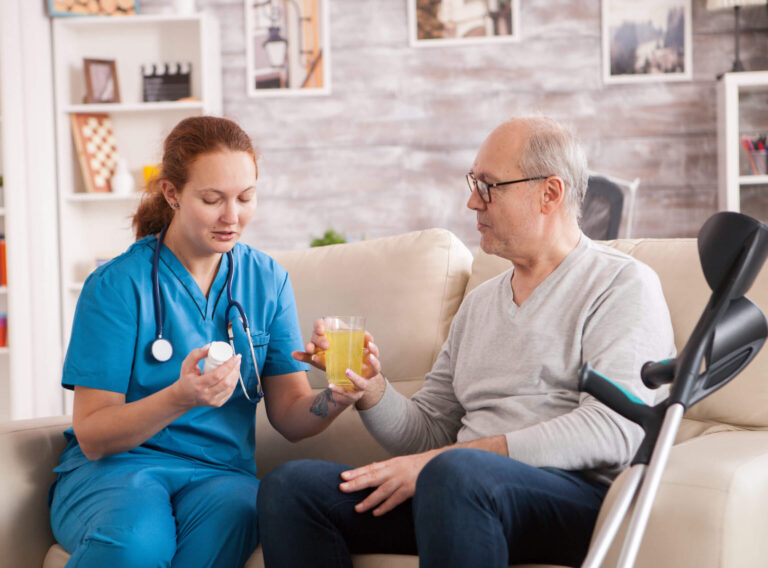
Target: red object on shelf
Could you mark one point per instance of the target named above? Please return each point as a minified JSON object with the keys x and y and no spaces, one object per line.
{"x":3,"y":330}
{"x":3,"y":270}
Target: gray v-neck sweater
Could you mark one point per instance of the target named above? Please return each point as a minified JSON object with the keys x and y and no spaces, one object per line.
{"x":513,"y":370}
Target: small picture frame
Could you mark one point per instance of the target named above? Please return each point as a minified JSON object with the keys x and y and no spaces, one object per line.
{"x":70,"y":8}
{"x":647,"y":41}
{"x":461,"y":22}
{"x":101,"y":81}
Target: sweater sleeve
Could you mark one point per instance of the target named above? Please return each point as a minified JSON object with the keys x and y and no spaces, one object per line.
{"x":431,"y":418}
{"x":627,"y":325}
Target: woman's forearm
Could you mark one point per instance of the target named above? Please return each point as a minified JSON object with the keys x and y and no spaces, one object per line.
{"x":115,"y":428}
{"x":308,"y":415}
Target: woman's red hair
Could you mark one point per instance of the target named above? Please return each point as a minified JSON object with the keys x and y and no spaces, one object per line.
{"x":189,"y":139}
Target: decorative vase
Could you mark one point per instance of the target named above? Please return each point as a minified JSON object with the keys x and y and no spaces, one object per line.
{"x":122,"y":180}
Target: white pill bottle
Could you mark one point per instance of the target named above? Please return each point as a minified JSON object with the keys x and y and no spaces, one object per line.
{"x":219,"y":352}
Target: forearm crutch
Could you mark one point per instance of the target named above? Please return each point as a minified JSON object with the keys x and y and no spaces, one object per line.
{"x":730,"y":332}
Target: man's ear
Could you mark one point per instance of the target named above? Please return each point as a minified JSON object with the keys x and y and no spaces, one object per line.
{"x":552,"y":194}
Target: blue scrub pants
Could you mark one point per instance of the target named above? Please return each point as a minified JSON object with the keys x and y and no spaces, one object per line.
{"x":471,"y":508}
{"x":153,"y":511}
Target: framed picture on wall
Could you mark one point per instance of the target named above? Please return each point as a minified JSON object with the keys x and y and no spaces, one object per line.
{"x":648,"y":40}
{"x":287,"y":47}
{"x":445,"y":22}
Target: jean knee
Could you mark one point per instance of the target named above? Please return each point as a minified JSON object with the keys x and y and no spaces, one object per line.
{"x":453,"y":468}
{"x":284,"y":484}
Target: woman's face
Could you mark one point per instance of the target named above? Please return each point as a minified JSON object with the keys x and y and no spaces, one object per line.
{"x":217,"y":202}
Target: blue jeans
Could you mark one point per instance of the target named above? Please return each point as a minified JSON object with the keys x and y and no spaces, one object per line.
{"x":471,"y":508}
{"x":153,"y":512}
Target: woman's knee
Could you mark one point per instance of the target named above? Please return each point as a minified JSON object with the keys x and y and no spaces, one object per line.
{"x":142,"y":544}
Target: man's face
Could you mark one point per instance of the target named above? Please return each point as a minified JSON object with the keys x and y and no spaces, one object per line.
{"x":510,"y":222}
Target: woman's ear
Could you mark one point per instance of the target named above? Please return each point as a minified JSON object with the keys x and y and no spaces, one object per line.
{"x":169,"y":191}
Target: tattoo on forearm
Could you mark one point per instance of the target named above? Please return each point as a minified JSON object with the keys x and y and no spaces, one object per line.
{"x":320,"y":404}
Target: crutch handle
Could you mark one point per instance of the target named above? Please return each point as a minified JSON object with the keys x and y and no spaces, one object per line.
{"x":658,"y":373}
{"x":612,"y":395}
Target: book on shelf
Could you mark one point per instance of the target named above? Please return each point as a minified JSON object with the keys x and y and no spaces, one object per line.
{"x":3,"y":264}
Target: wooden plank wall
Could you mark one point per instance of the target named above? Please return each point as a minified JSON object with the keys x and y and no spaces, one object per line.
{"x":386,"y":152}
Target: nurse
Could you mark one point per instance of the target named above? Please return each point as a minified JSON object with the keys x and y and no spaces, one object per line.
{"x":159,"y":468}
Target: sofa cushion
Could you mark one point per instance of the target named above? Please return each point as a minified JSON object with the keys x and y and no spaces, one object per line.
{"x":408,"y":287}
{"x":710,"y":508}
{"x":30,"y":450}
{"x":741,"y":403}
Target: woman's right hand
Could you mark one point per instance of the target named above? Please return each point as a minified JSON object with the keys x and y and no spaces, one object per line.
{"x":213,"y":388}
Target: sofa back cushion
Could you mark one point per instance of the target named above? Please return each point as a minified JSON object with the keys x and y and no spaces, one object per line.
{"x":744,"y":401}
{"x":408,"y":287}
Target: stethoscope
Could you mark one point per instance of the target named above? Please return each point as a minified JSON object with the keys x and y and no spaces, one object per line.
{"x":161,"y":348}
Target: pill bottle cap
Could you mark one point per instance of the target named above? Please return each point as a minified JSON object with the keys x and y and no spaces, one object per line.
{"x":219,"y":352}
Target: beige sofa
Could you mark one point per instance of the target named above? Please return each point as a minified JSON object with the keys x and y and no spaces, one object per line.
{"x":712,"y":508}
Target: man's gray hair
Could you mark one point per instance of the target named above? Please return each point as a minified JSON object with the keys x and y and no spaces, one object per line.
{"x":552,"y":149}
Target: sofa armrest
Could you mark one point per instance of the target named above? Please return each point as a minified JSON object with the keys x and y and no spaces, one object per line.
{"x":30,"y":449}
{"x":710,"y":511}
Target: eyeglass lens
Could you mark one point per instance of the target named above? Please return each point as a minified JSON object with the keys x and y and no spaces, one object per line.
{"x":479,"y":185}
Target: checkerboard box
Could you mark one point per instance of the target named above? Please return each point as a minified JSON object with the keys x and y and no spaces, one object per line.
{"x":166,"y":81}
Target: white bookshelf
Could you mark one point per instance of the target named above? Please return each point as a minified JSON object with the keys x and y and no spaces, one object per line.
{"x":99,"y":224}
{"x":735,"y":180}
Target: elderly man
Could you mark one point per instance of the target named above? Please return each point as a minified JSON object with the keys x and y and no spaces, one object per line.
{"x":501,"y":459}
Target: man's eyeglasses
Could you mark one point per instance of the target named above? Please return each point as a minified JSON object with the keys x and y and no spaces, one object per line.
{"x":484,"y":189}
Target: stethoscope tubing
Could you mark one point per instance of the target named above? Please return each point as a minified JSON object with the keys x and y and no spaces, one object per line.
{"x":167,"y":348}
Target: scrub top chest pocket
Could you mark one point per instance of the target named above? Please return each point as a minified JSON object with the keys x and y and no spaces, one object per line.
{"x":260,"y":342}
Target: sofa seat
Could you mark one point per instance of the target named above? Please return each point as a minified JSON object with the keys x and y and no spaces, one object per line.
{"x":57,"y":558}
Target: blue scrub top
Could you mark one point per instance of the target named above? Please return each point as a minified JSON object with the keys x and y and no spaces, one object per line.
{"x":114,"y":326}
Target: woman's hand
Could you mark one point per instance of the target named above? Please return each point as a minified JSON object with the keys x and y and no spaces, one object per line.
{"x":213,"y":388}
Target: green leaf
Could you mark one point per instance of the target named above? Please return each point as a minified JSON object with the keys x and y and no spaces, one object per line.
{"x":330,"y":237}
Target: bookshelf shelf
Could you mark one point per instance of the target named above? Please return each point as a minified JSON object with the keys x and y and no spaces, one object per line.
{"x":111,"y":108}
{"x":753,"y":180}
{"x":96,"y":197}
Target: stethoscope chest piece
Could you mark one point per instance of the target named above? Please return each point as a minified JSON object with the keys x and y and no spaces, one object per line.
{"x":162,"y":350}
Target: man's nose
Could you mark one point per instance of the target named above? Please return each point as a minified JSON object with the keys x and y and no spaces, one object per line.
{"x":475,"y":202}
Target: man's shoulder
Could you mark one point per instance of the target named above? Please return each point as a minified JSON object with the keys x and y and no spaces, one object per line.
{"x":609,"y":260}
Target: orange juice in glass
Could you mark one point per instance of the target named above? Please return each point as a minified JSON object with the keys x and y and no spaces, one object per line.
{"x":347,"y":337}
